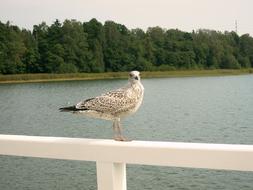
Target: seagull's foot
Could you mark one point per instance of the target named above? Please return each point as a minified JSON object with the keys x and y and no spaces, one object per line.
{"x":121,"y":138}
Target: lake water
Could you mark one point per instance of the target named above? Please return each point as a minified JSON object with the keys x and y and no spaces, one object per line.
{"x":194,"y":109}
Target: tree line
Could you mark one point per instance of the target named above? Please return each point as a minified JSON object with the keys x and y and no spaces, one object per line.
{"x":73,"y":46}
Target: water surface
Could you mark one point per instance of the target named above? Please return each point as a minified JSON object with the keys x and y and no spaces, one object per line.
{"x":195,"y":109}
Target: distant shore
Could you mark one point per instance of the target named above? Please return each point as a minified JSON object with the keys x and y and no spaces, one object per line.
{"x":33,"y":78}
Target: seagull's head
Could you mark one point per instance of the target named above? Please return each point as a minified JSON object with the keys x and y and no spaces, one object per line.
{"x":134,"y":76}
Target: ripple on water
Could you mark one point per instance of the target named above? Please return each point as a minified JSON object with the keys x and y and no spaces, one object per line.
{"x":198,"y":109}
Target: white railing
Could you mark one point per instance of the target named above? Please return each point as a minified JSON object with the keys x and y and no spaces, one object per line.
{"x":111,"y":156}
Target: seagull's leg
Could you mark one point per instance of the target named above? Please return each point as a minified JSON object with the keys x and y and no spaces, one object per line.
{"x":120,"y":137}
{"x":115,"y":130}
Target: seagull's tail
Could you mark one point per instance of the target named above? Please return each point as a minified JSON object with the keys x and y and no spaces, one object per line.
{"x":68,"y":109}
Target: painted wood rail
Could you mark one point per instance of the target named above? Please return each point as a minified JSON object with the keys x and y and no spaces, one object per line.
{"x":112,"y":156}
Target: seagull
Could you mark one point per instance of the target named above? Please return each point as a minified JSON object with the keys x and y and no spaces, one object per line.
{"x":113,"y":105}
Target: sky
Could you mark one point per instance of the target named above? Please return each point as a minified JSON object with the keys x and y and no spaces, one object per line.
{"x":185,"y":15}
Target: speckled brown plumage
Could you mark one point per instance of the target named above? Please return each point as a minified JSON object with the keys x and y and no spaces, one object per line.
{"x":115,"y":104}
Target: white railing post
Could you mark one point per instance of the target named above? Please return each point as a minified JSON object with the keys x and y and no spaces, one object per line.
{"x":111,"y":176}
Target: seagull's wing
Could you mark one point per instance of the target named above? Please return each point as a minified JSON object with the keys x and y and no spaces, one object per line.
{"x":110,"y":102}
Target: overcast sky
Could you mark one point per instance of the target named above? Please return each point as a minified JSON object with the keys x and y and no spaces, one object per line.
{"x":186,"y":15}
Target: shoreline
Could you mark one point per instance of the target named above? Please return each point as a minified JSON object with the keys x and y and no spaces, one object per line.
{"x":36,"y":78}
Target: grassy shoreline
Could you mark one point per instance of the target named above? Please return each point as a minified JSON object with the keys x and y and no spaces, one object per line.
{"x":28,"y":78}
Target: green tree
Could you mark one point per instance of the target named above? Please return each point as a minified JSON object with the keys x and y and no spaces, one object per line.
{"x":12,"y":49}
{"x":40,"y":34}
{"x":74,"y":42}
{"x":229,"y":62}
{"x":31,"y":56}
{"x":116,"y":56}
{"x":91,"y":46}
{"x":246,"y":47}
{"x":96,"y":40}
